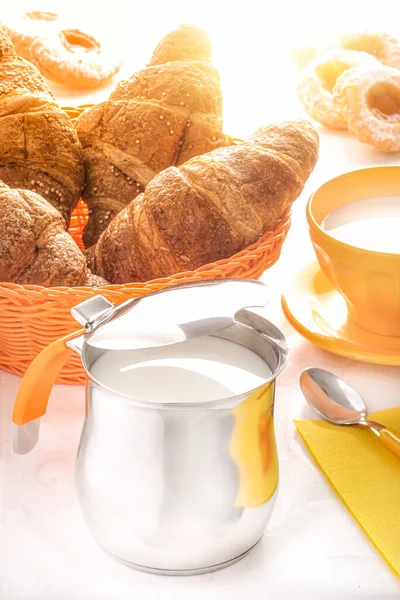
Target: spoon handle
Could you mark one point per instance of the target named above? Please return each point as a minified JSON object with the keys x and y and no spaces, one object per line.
{"x":391,"y":439}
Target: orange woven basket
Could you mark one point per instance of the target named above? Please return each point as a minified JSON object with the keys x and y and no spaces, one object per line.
{"x":32,"y":316}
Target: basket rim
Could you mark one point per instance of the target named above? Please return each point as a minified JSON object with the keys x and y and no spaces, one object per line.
{"x":270,"y":237}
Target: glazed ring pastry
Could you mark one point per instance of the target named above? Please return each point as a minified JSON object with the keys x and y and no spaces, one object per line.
{"x":68,"y":56}
{"x":24,"y":31}
{"x":74,"y":58}
{"x":370,"y":100}
{"x":318,"y":80}
{"x":382,"y":46}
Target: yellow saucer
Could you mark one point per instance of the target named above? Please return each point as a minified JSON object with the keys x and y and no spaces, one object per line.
{"x":319,"y":313}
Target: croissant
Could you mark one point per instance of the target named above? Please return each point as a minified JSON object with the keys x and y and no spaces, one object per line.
{"x":162,"y":116}
{"x":39,"y":148}
{"x":210,"y":207}
{"x":34,"y":246}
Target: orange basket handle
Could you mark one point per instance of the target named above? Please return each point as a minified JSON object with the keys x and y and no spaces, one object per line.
{"x":34,"y":391}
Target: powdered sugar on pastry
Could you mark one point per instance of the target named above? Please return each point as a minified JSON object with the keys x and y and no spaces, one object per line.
{"x":74,"y":58}
{"x":370,"y":99}
{"x":24,"y":30}
{"x":62,"y":52}
{"x":318,"y":80}
{"x":382,"y":46}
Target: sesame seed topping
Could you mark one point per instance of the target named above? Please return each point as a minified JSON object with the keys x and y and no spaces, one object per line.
{"x":106,"y":217}
{"x":182,"y":103}
{"x":190,"y":146}
{"x":46,"y":192}
{"x":101,"y":221}
{"x":33,"y":182}
{"x":52,"y":190}
{"x":111,"y":168}
{"x":137,"y":184}
{"x":131,"y":183}
{"x":41,"y":184}
{"x":163,"y":93}
{"x":168,"y":123}
{"x":188,"y":95}
{"x":95,"y":189}
{"x":138,"y":141}
{"x":161,"y":117}
{"x":214,"y":138}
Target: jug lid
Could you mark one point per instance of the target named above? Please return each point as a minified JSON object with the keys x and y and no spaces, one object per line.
{"x":169,"y":316}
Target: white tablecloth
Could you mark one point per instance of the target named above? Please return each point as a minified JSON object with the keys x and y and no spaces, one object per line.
{"x":313,"y":549}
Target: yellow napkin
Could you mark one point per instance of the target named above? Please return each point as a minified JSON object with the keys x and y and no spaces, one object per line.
{"x":365,"y":475}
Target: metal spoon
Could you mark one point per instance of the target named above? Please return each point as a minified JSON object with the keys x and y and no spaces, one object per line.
{"x":339,"y":403}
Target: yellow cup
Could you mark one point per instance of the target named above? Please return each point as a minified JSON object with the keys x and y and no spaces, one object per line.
{"x":369,"y":281}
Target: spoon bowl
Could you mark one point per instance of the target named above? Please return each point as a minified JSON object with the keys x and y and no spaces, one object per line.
{"x":337,"y":402}
{"x":331,"y":397}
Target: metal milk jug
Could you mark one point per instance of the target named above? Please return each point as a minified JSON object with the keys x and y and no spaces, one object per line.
{"x":180,"y":486}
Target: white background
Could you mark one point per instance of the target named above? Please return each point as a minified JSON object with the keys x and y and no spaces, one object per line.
{"x":313,"y":549}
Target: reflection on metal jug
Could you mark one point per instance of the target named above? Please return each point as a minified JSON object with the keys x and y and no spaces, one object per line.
{"x":253,"y":448}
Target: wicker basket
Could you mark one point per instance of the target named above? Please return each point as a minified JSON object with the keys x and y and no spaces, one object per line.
{"x":32,"y":316}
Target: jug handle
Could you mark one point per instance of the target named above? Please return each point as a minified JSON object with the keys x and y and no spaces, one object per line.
{"x":34,"y":391}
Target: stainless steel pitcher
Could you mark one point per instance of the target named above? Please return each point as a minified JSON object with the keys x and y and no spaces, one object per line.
{"x":174,"y":488}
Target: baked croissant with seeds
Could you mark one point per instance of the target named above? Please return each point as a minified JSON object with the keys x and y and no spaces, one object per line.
{"x":162,"y":116}
{"x":34,"y":246}
{"x":39,"y":148}
{"x":209,"y":208}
